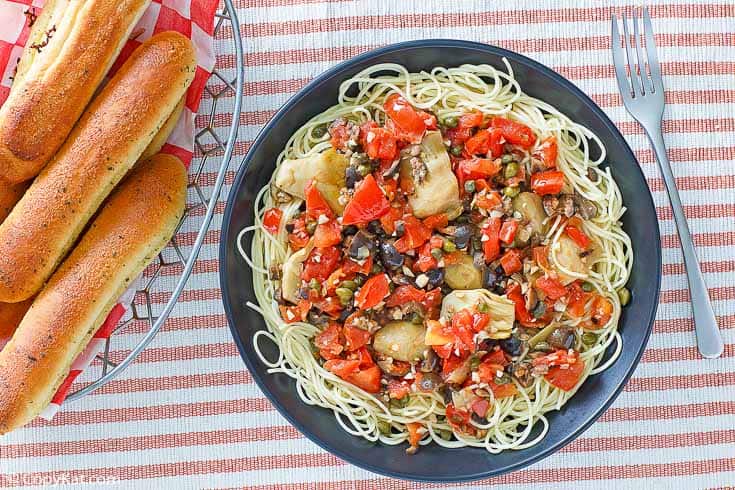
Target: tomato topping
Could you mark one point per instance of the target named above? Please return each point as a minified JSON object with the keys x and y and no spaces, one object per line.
{"x":362,"y":355}
{"x":488,"y":199}
{"x":398,"y":389}
{"x":330,"y":306}
{"x":464,"y":335}
{"x":329,"y":341}
{"x":436,"y":221}
{"x":437,"y":334}
{"x":458,"y":135}
{"x":367,"y":379}
{"x":410,"y":124}
{"x":523,"y":316}
{"x":379,"y":143}
{"x":425,"y":260}
{"x":503,"y":390}
{"x":459,"y":420}
{"x":355,"y":337}
{"x":547,"y":152}
{"x":342,"y":367}
{"x":508,"y":231}
{"x":415,"y":234}
{"x":575,"y":233}
{"x":431,"y":303}
{"x":470,"y":120}
{"x":549,"y":182}
{"x":541,"y":256}
{"x":602,"y":310}
{"x":491,"y":239}
{"x":414,"y":437}
{"x":477,"y":168}
{"x":349,"y":266}
{"x":480,"y":407}
{"x":511,"y":261}
{"x":514,"y":132}
{"x":557,"y":358}
{"x":295,"y":313}
{"x":299,"y":238}
{"x":577,"y":300}
{"x":566,"y":378}
{"x":315,"y":203}
{"x":367,"y":204}
{"x":388,"y":220}
{"x":551,"y":287}
{"x":328,"y":234}
{"x":405,"y":294}
{"x":272,"y":220}
{"x":488,"y":371}
{"x":340,"y":133}
{"x":320,"y":263}
{"x":480,"y":321}
{"x":375,"y":290}
{"x":487,"y":142}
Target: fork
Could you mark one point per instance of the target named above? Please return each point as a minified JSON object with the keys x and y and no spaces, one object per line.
{"x":643,"y":96}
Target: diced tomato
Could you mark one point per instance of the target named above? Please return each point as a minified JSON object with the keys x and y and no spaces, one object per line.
{"x":488,"y":371}
{"x":379,"y":143}
{"x":388,"y":220}
{"x":602,"y":310}
{"x":451,"y":362}
{"x":488,"y":200}
{"x":339,"y":133}
{"x":551,"y":287}
{"x":296,"y":313}
{"x":496,"y":357}
{"x":334,"y":279}
{"x":480,"y":407}
{"x":556,"y":358}
{"x":470,"y":120}
{"x":367,"y":379}
{"x":341,"y":367}
{"x":431,"y":302}
{"x":566,"y":378}
{"x":410,"y":123}
{"x":437,"y":334}
{"x":436,"y":221}
{"x":549,"y":182}
{"x":355,"y":337}
{"x":576,"y":234}
{"x":502,"y":390}
{"x":464,"y":335}
{"x":299,"y":238}
{"x":577,"y":300}
{"x":486,"y":142}
{"x":367,"y":204}
{"x":328,"y":234}
{"x":547,"y":152}
{"x":491,"y":239}
{"x":541,"y":256}
{"x":508,"y":231}
{"x":315,"y":203}
{"x":425,"y":260}
{"x":511,"y":261}
{"x":429,"y":120}
{"x":478,"y":168}
{"x":523,"y":316}
{"x":480,"y":321}
{"x":459,"y":420}
{"x":453,"y":257}
{"x":362,"y":355}
{"x":375,"y":290}
{"x":330,"y":340}
{"x":444,"y":351}
{"x":330,"y":306}
{"x":405,"y":294}
{"x":272,"y":220}
{"x":415,"y":234}
{"x":320,"y":263}
{"x":457,"y":136}
{"x":414,"y":437}
{"x":514,"y":132}
{"x":398,"y":389}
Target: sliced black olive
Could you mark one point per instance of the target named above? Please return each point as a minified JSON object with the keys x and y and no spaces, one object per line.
{"x":352,"y":177}
{"x":361,"y":246}
{"x":478,"y":420}
{"x":489,"y":278}
{"x":349,"y":230}
{"x":462,"y":236}
{"x":487,"y":345}
{"x":290,"y":227}
{"x":436,"y":277}
{"x":429,"y":382}
{"x":375,"y":228}
{"x":512,"y":346}
{"x":562,"y":338}
{"x":430,"y":362}
{"x":390,"y":256}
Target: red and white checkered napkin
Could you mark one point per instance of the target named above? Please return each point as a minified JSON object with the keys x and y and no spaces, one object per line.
{"x":194,"y":19}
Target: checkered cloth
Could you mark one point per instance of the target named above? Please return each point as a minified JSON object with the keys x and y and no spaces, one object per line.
{"x":188,"y":415}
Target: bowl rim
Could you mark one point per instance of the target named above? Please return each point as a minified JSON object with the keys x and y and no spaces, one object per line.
{"x":336,"y":70}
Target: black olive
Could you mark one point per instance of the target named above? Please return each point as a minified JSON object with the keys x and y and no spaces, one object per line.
{"x":390,"y":256}
{"x":489,"y":278}
{"x":446,"y":392}
{"x":487,"y":345}
{"x":345,"y":313}
{"x":375,"y":228}
{"x":352,"y":176}
{"x":462,"y":236}
{"x":349,"y":230}
{"x":436,"y":277}
{"x":512,"y":346}
{"x":290,"y":227}
{"x":429,"y":382}
{"x":499,"y":271}
{"x":361,"y":246}
{"x":562,"y":338}
{"x":478,"y":420}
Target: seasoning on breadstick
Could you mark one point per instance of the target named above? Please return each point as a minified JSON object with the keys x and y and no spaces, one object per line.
{"x":71,"y":47}
{"x":113,"y":132}
{"x":160,"y":138}
{"x":132,"y":227}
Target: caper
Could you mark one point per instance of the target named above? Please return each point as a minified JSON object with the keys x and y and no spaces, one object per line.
{"x":314,"y":284}
{"x":456,"y":150}
{"x":587,"y":287}
{"x":475,"y":362}
{"x":450,"y":122}
{"x":483,"y":308}
{"x":351,"y":285}
{"x":503,"y":380}
{"x":469,"y":186}
{"x":507,"y":158}
{"x":511,"y":170}
{"x":358,"y":280}
{"x":588,"y":338}
{"x":320,"y":131}
{"x":311,"y":227}
{"x":624,"y":296}
{"x":364,"y":169}
{"x":436,"y":253}
{"x":384,"y":427}
{"x":344,"y":295}
{"x":449,"y":246}
{"x":511,"y":191}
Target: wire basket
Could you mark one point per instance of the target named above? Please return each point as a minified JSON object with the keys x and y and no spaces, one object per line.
{"x":168,"y":275}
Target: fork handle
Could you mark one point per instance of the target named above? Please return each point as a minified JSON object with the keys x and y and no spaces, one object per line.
{"x":709,"y":339}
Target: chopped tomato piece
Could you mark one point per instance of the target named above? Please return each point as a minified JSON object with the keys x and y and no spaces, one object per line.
{"x":602,"y":310}
{"x":349,"y":266}
{"x":375,"y":290}
{"x":488,"y":371}
{"x":567,"y":377}
{"x":491,"y":239}
{"x":320,"y":263}
{"x":315,"y":203}
{"x":576,"y":234}
{"x":410,"y":123}
{"x":470,"y":120}
{"x":541,"y":256}
{"x":457,"y":136}
{"x":398,"y":389}
{"x":523,"y":316}
{"x":481,"y":407}
{"x":436,"y":221}
{"x":405,"y":294}
{"x":355,"y":337}
{"x":496,"y":357}
{"x":557,"y":358}
{"x":330,"y":306}
{"x":502,"y":390}
{"x":379,"y":143}
{"x":272,"y":220}
{"x":508,"y":231}
{"x":425,"y":260}
{"x":388,"y":220}
{"x":487,"y":142}
{"x":551,"y":287}
{"x":330,"y":341}
{"x":431,"y":302}
{"x":478,"y":168}
{"x":367,"y":379}
{"x":480,"y":321}
{"x":299,"y":237}
{"x":547,"y":152}
{"x":511,"y":261}
{"x":367,"y":204}
{"x":459,"y":420}
{"x":437,"y":334}
{"x":415,"y":234}
{"x":296,"y":313}
{"x":414,"y":437}
{"x":488,"y":199}
{"x":328,"y":234}
{"x":341,"y":367}
{"x":549,"y":182}
{"x":340,"y":134}
{"x":514,"y":132}
{"x":429,"y":120}
{"x":362,"y":355}
{"x":577,"y":300}
{"x":334,"y":279}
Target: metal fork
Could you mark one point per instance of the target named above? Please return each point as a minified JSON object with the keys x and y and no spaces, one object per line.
{"x":643,"y":96}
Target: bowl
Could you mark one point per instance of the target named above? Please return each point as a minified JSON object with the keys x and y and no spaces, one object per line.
{"x":432,"y":462}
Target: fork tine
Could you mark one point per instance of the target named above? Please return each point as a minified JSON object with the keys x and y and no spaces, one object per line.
{"x":619,"y":60}
{"x":651,"y":53}
{"x":634,"y":80}
{"x":639,"y":56}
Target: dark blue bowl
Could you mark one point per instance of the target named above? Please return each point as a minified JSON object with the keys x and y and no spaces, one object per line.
{"x":434,"y":463}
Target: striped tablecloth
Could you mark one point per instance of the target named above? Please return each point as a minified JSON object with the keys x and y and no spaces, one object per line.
{"x":188,"y":415}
